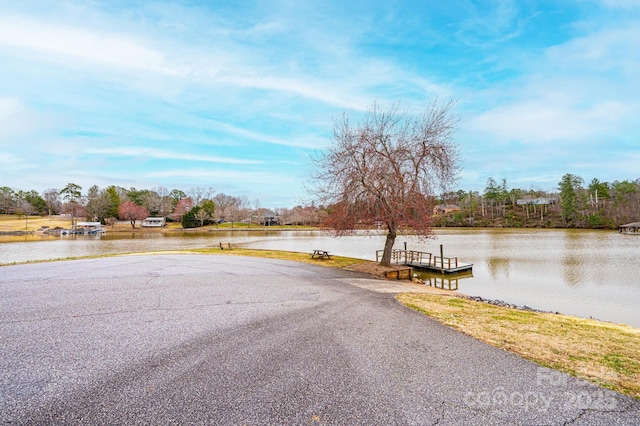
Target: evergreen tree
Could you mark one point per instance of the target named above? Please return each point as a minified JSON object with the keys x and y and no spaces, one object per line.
{"x":570,"y":187}
{"x":190,"y":219}
{"x":113,"y":201}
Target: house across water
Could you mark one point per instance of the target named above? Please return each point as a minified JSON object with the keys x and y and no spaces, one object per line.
{"x":154,"y":222}
{"x":540,"y":201}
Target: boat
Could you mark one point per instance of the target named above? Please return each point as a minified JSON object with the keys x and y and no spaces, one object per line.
{"x":85,"y":228}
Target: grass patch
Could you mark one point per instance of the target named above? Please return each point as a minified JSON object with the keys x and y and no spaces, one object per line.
{"x":604,"y":353}
{"x":334,"y":262}
{"x":12,"y":222}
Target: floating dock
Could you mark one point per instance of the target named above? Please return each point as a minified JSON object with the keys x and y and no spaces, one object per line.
{"x":85,"y":228}
{"x":426,"y":261}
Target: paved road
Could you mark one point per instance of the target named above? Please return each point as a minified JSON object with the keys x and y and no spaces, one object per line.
{"x":203,"y":339}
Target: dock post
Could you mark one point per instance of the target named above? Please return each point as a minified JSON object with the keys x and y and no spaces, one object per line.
{"x":441,"y":258}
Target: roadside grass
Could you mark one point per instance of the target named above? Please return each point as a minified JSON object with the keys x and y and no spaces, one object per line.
{"x":604,"y":353}
{"x":334,"y":262}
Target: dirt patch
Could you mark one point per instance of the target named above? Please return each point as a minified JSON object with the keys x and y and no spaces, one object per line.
{"x":372,"y":268}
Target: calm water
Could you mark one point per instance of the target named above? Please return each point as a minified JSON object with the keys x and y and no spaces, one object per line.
{"x":585,"y":273}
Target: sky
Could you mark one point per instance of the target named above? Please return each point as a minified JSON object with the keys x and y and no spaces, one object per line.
{"x":239,"y":95}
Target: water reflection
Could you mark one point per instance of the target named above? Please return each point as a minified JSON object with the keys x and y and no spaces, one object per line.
{"x":498,"y":266}
{"x":573,"y":259}
{"x":444,"y":282}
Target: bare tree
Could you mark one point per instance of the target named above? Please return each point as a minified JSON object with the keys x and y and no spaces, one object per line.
{"x":52,"y":198}
{"x":241,"y":209}
{"x":7,"y":200}
{"x":25,"y":208}
{"x":224,"y":206}
{"x":165,"y":201}
{"x":256,"y":211}
{"x":151,"y":200}
{"x":387,"y":170}
{"x":199,"y":193}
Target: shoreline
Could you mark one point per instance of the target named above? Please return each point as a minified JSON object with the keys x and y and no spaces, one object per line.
{"x":34,"y":224}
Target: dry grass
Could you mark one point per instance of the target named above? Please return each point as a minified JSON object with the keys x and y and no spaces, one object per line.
{"x":12,"y":222}
{"x":334,"y":262}
{"x":605,"y":353}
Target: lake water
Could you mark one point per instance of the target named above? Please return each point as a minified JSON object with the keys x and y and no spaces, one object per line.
{"x":584,"y":273}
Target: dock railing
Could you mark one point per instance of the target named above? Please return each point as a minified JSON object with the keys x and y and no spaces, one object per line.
{"x":419,"y":259}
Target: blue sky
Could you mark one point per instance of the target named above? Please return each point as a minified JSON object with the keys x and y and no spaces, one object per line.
{"x":237,"y":95}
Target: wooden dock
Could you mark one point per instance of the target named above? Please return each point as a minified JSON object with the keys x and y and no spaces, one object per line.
{"x":426,"y":261}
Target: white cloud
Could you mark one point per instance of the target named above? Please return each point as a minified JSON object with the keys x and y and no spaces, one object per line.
{"x":160,"y":154}
{"x":81,"y":44}
{"x":221,"y":63}
{"x":129,"y":53}
{"x":244,"y":82}
{"x":17,"y":119}
{"x":297,"y":142}
{"x":620,"y":4}
{"x":9,"y":107}
{"x":244,"y":177}
{"x":535,"y":122}
{"x":614,"y":49}
{"x":577,"y":92}
{"x":491,"y":25}
{"x":9,"y":161}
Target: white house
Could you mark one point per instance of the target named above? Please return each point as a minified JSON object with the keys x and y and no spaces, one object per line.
{"x":540,"y":201}
{"x":154,"y":222}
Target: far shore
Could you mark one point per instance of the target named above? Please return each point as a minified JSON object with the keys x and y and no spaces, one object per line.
{"x":21,"y":225}
{"x":13,"y":224}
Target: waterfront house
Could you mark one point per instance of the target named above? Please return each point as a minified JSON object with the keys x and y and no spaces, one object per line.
{"x":540,"y":201}
{"x":630,"y":228}
{"x":154,"y":222}
{"x":445,"y":209}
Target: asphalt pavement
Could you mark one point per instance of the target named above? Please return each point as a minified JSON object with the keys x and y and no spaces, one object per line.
{"x":226,"y":340}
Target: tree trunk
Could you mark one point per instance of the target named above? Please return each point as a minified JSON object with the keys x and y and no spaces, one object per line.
{"x":388,"y":248}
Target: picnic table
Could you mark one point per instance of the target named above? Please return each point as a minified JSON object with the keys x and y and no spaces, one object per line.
{"x":320,"y":254}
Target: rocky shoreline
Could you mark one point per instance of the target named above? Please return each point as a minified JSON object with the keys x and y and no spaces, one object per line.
{"x":519,"y":307}
{"x":509,"y":305}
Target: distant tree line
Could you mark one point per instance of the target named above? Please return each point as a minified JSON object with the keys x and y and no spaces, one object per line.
{"x":197,"y":207}
{"x":573,"y":204}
